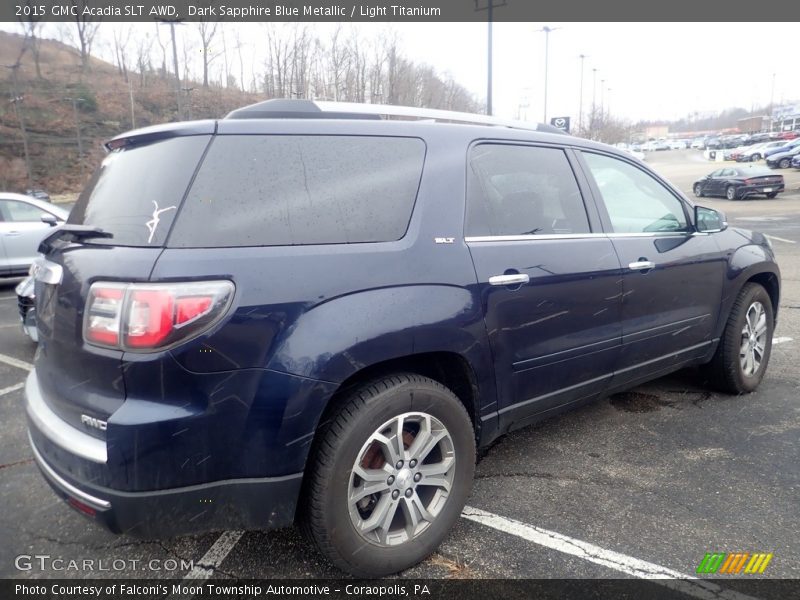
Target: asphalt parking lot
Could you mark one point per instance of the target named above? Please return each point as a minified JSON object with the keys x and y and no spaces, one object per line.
{"x":650,"y":479}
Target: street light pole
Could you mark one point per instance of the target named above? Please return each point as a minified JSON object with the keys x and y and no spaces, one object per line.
{"x":580,"y":99}
{"x":16,"y":99}
{"x":489,"y":8}
{"x":546,"y":31}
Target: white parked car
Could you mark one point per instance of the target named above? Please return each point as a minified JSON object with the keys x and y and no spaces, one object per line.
{"x":24,"y":221}
{"x":637,"y":153}
{"x":678,"y":144}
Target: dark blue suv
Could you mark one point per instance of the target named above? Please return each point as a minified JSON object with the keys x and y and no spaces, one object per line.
{"x":314,"y":313}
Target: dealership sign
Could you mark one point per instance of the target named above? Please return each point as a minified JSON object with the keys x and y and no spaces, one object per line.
{"x":561,"y":123}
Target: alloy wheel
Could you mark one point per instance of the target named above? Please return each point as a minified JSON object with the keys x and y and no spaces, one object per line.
{"x":401,"y":479}
{"x":754,"y":339}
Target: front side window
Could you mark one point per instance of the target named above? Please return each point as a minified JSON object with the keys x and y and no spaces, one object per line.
{"x":636,"y":202}
{"x":15,"y":211}
{"x":522,"y":190}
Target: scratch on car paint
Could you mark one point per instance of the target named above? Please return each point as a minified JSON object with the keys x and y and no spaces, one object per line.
{"x":600,"y":312}
{"x":152,"y":224}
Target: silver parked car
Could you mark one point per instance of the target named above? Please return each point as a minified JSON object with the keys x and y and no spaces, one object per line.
{"x":24,"y":221}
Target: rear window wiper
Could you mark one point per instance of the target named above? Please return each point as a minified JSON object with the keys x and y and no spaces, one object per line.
{"x":72,"y":233}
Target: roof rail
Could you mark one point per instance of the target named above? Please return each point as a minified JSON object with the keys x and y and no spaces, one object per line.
{"x":308,"y":109}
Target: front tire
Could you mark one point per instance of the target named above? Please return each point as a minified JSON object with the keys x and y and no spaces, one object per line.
{"x":743,"y":354}
{"x":698,"y":190}
{"x":772,"y":195}
{"x":785,"y":163}
{"x":755,"y":157}
{"x":389,"y":475}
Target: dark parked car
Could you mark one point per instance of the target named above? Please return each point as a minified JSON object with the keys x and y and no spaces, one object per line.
{"x":713,"y":144}
{"x":38,"y":194}
{"x":735,"y":183}
{"x":783,"y":159}
{"x":263,"y":318}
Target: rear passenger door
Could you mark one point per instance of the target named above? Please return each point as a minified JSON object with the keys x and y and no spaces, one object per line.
{"x":549,"y":281}
{"x":672,"y":277}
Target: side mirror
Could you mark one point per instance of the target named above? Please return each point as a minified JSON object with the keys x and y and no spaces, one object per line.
{"x":708,"y":220}
{"x":50,"y":220}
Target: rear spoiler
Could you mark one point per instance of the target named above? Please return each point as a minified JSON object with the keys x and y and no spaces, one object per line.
{"x":146,"y":135}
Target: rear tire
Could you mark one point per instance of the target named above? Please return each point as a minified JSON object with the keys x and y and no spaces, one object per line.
{"x":785,"y":163}
{"x":772,"y":195}
{"x":355,"y":452}
{"x":755,"y":157}
{"x":743,"y":354}
{"x":731,"y":193}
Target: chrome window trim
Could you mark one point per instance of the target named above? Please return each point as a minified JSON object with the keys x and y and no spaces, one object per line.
{"x":573,"y":236}
{"x":64,"y":484}
{"x":59,"y":431}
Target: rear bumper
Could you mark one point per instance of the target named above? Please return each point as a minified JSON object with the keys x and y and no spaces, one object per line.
{"x":266,"y":503}
{"x":75,"y":464}
{"x":754,"y":190}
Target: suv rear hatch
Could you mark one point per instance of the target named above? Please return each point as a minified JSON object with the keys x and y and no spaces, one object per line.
{"x":133,"y":198}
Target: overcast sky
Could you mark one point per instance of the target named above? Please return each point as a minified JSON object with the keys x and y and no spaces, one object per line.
{"x":644,"y":70}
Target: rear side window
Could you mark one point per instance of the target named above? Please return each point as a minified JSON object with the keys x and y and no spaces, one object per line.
{"x":135,"y":193}
{"x":522,"y":190}
{"x":275,"y":190}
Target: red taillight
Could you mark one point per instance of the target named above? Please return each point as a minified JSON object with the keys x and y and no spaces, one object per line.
{"x":80,"y":506}
{"x":143,"y":317}
{"x":150,"y":318}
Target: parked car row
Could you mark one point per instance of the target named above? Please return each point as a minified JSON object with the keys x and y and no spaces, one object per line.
{"x":725,"y":142}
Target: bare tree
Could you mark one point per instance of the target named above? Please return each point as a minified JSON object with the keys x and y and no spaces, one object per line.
{"x":122,"y":36}
{"x":143,"y":64}
{"x":86,"y":29}
{"x":30,"y":26}
{"x":207,"y":30}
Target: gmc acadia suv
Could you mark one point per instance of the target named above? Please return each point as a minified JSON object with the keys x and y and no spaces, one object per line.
{"x":312,"y":312}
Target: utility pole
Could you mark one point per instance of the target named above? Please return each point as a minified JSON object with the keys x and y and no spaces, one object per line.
{"x":602,"y":97}
{"x":489,"y":8}
{"x":16,"y":99}
{"x":172,"y":23}
{"x":77,"y":124}
{"x":771,"y":101}
{"x":580,"y":99}
{"x":130,"y":93}
{"x":594,"y":103}
{"x":546,"y":30}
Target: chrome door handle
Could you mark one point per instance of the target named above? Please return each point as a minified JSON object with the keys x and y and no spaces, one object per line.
{"x":641,"y":265}
{"x":513,"y":279}
{"x":10,"y":233}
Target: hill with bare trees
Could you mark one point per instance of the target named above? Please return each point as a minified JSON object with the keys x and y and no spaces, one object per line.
{"x":61,"y":99}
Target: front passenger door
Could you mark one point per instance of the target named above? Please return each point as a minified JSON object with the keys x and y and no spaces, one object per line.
{"x":672,"y":276}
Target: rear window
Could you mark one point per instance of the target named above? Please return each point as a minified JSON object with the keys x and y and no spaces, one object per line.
{"x":275,"y":190}
{"x":136,"y":191}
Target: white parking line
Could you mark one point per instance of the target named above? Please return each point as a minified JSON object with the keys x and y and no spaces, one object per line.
{"x":780,"y":239}
{"x":12,"y":388}
{"x":623,"y":563}
{"x":781,"y":340}
{"x":15,"y":362}
{"x":204,"y":568}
